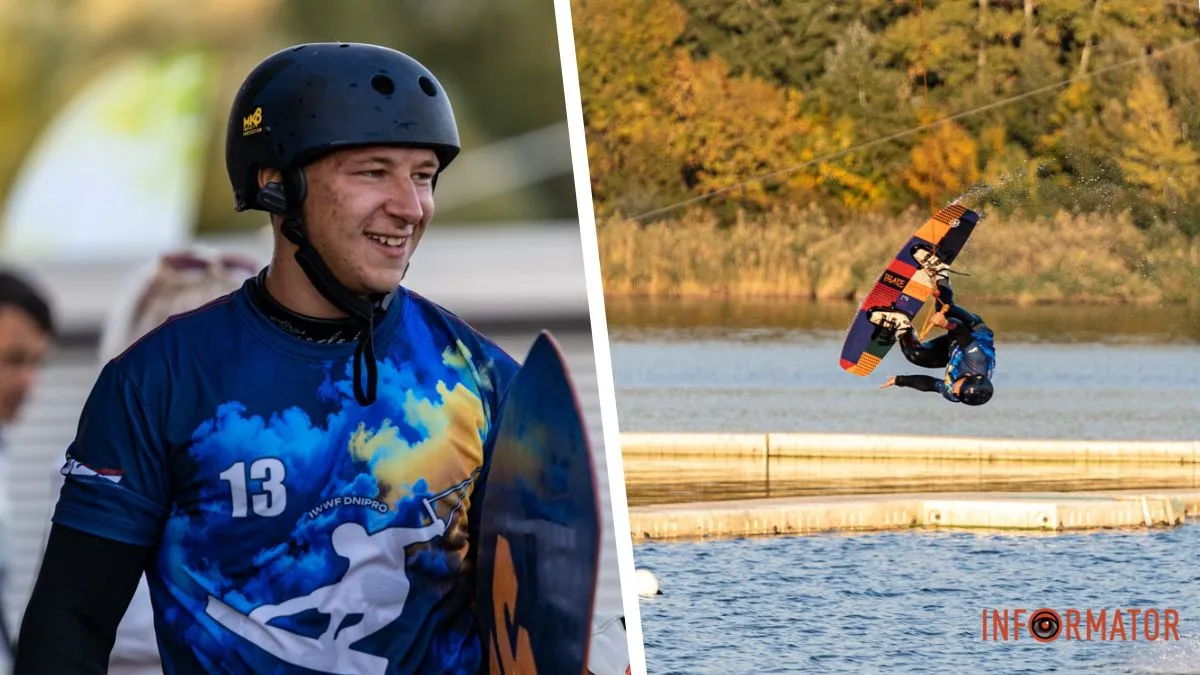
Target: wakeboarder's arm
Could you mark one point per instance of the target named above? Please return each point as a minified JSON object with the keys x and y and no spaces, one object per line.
{"x":918,"y":382}
{"x":961,"y":334}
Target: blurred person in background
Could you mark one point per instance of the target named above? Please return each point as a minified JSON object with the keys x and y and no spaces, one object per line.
{"x":296,"y":466}
{"x":177,"y":282}
{"x":26,"y":332}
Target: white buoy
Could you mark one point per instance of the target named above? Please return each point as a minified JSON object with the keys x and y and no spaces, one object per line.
{"x":645,"y":582}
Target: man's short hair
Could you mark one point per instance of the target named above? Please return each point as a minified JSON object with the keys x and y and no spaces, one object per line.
{"x":16,"y":291}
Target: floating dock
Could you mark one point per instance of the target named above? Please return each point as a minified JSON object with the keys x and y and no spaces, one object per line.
{"x":873,"y":466}
{"x":855,"y":446}
{"x":1046,"y":512}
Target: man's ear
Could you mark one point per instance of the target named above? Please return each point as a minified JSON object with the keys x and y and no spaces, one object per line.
{"x":272,"y":196}
{"x":269,"y":174}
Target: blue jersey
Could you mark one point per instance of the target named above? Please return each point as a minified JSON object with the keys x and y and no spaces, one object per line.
{"x":979,"y":358}
{"x":296,"y":531}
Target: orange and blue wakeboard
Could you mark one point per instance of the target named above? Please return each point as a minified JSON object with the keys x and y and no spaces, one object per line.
{"x":904,"y":286}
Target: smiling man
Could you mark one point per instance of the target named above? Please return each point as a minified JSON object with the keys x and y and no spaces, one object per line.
{"x":294,"y":465}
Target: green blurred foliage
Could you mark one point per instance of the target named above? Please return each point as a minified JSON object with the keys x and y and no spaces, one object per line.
{"x":498,"y":60}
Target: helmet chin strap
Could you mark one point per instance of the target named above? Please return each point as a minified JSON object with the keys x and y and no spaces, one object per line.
{"x":331,"y":289}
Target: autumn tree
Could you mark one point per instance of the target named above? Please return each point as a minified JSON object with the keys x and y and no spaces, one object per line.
{"x":684,"y":98}
{"x":943,"y":164}
{"x":1146,"y":139}
{"x":625,"y":56}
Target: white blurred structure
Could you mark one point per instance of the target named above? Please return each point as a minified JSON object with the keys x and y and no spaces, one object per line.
{"x":510,"y":281}
{"x":492,"y":273}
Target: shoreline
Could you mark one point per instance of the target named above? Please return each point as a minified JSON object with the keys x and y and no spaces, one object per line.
{"x":978,"y":297}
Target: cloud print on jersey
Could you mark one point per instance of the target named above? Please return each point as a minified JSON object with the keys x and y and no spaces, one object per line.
{"x":430,"y":453}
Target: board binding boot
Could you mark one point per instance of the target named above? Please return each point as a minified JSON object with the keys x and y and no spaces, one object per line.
{"x":932,"y":264}
{"x":897,"y":323}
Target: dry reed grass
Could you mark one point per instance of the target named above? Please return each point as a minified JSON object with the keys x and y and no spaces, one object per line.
{"x":801,"y":253}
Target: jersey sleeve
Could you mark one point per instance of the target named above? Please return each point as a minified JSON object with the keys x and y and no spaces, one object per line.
{"x":115,"y":478}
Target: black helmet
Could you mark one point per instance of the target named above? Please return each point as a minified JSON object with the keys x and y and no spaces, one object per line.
{"x":975,"y":390}
{"x":310,"y":99}
{"x":313,"y":98}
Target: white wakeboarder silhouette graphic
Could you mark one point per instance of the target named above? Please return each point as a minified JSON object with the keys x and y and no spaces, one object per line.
{"x":374,"y":586}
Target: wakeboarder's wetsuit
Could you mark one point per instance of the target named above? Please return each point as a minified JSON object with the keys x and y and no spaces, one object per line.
{"x":967,"y":348}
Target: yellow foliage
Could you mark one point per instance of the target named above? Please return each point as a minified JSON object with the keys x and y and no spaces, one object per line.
{"x":1149,"y":145}
{"x":944,"y":164}
{"x":994,"y":138}
{"x":719,"y":135}
{"x":624,"y":55}
{"x":664,"y":123}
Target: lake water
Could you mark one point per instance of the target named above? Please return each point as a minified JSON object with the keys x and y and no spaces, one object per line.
{"x":1081,"y":373}
{"x":908,"y":601}
{"x":912,"y":602}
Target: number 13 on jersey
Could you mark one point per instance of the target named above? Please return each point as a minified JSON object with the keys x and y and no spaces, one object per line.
{"x":270,"y":499}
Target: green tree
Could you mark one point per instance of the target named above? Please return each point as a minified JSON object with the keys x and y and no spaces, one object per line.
{"x":781,"y":41}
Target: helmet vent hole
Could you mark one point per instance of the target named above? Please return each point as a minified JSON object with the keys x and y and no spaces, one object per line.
{"x":343,"y":46}
{"x":383,"y":84}
{"x":427,"y":85}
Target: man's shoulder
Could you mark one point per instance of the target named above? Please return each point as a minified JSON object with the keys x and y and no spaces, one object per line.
{"x":179,"y":334}
{"x":460,"y":330}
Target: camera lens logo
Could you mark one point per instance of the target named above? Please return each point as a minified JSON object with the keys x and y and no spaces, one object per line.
{"x":1044,"y":625}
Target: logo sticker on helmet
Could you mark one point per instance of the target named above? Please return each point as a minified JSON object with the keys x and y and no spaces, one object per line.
{"x":252,"y":123}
